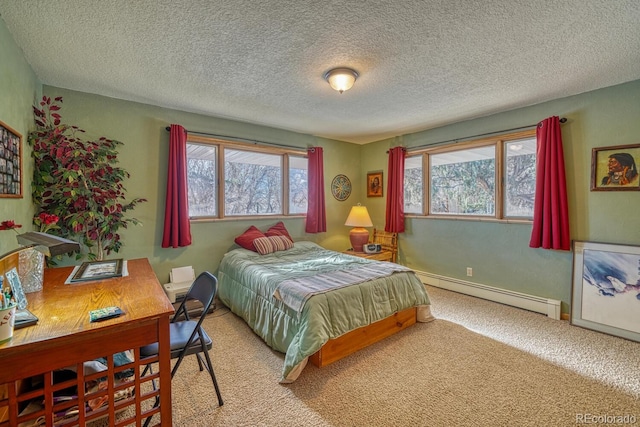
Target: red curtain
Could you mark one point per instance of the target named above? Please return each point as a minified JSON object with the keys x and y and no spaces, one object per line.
{"x":551,"y":213}
{"x":395,"y":191}
{"x":316,"y":216}
{"x":177,"y":229}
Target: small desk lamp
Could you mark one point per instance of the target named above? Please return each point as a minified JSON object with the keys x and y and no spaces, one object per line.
{"x":358,"y":218}
{"x":48,"y":244}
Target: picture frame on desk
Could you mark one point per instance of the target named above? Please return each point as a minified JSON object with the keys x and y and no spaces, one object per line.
{"x":16,"y":288}
{"x":97,"y":270}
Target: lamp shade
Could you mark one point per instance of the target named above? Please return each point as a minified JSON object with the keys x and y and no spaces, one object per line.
{"x":341,"y":79}
{"x":48,"y":244}
{"x":358,"y":219}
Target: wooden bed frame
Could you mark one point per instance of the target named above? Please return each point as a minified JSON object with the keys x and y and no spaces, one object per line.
{"x":349,"y":343}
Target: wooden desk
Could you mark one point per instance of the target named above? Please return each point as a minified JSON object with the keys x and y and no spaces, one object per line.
{"x":64,"y":338}
{"x":380,"y":256}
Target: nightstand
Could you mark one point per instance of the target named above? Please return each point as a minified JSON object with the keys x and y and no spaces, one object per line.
{"x":380,"y":256}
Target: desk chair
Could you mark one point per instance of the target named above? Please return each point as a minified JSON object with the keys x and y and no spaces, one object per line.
{"x":186,"y":336}
{"x":388,"y":240}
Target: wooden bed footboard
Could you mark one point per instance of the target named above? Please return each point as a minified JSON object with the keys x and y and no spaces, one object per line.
{"x":349,"y":343}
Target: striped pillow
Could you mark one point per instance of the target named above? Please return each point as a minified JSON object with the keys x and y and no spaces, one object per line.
{"x":282,"y":243}
{"x":267,"y":245}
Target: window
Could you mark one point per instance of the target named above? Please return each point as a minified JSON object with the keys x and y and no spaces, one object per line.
{"x":520,"y":182}
{"x":253,"y":181}
{"x":201,"y":179}
{"x":298,"y":184}
{"x":413,"y":187}
{"x":462,"y":180}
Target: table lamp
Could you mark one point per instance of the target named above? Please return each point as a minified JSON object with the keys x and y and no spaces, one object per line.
{"x":48,"y":244}
{"x":358,"y":218}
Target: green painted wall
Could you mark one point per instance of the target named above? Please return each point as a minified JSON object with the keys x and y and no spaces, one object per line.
{"x":19,"y":89}
{"x":499,"y":253}
{"x":144,"y":155}
{"x":142,"y":130}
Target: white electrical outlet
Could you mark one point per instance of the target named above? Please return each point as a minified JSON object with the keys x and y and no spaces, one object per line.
{"x":469,"y":271}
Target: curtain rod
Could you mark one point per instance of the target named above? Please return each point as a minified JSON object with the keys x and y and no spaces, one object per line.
{"x":456,"y":140}
{"x":253,"y":141}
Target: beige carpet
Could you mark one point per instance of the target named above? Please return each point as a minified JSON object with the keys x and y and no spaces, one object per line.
{"x":478,"y":364}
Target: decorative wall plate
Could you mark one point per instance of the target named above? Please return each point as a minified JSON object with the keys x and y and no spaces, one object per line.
{"x":341,"y":187}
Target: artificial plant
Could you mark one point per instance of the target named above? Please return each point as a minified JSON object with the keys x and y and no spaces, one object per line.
{"x":77,"y":180}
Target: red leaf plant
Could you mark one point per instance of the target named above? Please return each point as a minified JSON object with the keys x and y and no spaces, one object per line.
{"x":9,"y":225}
{"x":79,"y":182}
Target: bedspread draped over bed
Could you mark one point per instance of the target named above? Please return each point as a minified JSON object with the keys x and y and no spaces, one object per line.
{"x":249,"y":283}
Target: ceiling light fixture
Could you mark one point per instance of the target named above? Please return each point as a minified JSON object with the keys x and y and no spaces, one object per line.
{"x":341,"y":79}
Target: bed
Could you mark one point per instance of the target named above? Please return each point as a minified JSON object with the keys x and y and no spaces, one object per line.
{"x":353,"y":301}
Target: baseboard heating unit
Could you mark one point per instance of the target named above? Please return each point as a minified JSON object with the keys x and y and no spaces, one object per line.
{"x":550,"y":307}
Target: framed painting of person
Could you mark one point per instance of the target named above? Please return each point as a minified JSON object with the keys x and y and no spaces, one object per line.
{"x":615,"y":168}
{"x":374,"y":184}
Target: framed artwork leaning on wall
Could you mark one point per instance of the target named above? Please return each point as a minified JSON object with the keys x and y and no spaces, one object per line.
{"x":605,"y":292}
{"x":615,"y":168}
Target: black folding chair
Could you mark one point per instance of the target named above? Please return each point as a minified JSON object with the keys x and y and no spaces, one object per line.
{"x":186,"y":336}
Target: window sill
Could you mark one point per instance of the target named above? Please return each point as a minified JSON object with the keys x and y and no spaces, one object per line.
{"x":198,"y":220}
{"x":472,"y":218}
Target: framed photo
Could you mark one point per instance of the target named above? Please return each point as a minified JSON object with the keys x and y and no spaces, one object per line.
{"x":605,"y":292}
{"x":16,"y":288}
{"x":615,"y":168}
{"x":374,"y":184}
{"x":10,"y":162}
{"x":98,"y":270}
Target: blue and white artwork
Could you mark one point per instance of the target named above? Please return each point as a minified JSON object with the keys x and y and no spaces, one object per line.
{"x":611,"y":289}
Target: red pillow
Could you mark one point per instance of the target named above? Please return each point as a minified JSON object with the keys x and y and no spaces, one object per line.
{"x":246,"y":239}
{"x":278,"y":230}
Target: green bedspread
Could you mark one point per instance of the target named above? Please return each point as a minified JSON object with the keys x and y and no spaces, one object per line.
{"x":248,"y":280}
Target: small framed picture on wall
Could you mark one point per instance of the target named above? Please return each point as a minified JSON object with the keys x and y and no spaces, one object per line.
{"x":615,"y":168}
{"x":374,"y":184}
{"x":10,"y":162}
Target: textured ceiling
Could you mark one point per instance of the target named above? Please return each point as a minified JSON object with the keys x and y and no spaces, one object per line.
{"x":422,"y":63}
